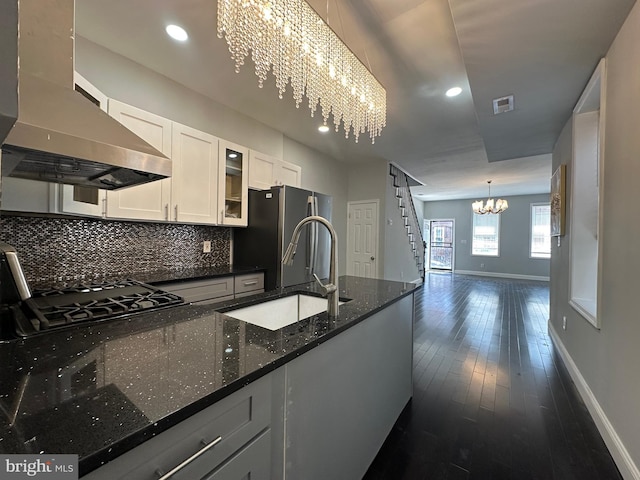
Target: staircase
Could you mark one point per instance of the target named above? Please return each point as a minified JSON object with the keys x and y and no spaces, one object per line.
{"x":412,"y":224}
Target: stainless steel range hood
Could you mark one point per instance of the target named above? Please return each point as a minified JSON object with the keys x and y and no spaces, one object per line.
{"x":60,"y":135}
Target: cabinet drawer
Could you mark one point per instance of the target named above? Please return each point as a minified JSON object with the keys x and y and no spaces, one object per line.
{"x":249,"y":282}
{"x":236,"y":419}
{"x":253,"y":461}
{"x":198,"y":290}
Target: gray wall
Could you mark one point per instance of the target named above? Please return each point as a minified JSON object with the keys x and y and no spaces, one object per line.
{"x":368,"y":182}
{"x":129,"y":82}
{"x":514,"y":257}
{"x":608,"y":358}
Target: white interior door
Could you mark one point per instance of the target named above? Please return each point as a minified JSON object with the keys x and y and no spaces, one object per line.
{"x":362,"y":239}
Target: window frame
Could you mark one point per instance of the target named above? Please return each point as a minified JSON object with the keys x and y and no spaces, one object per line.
{"x":473,"y":236}
{"x":532,"y":206}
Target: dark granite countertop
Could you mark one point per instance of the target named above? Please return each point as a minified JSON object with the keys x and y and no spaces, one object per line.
{"x":159,"y":277}
{"x":99,"y":390}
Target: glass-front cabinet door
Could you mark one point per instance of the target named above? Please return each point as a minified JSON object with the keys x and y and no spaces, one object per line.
{"x":234,"y":177}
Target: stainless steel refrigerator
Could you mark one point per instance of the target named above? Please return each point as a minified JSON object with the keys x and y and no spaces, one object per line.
{"x":273,"y":214}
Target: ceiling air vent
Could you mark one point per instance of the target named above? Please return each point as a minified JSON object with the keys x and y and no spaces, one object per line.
{"x":502,"y":104}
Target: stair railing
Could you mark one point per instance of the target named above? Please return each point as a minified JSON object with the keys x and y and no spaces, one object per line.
{"x":407,"y":208}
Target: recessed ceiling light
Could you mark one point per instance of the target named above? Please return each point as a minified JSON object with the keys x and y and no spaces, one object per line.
{"x":453,"y":92}
{"x":323,"y":128}
{"x":177,"y":33}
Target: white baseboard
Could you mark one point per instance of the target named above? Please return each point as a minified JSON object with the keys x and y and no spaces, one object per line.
{"x":628,"y":469}
{"x":503,"y":275}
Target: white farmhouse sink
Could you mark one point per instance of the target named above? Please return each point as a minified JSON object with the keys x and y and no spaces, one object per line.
{"x":278,"y":313}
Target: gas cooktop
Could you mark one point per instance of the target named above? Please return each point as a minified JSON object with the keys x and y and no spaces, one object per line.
{"x":55,"y":308}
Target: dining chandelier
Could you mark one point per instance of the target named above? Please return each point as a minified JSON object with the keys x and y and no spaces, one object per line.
{"x":289,"y":38}
{"x":490,"y":207}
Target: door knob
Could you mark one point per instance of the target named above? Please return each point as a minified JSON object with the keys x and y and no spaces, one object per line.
{"x":373,"y":258}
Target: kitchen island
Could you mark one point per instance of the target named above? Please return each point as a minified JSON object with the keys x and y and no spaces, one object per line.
{"x":123,"y":391}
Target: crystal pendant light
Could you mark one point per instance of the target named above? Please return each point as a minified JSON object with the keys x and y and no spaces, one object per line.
{"x":289,"y":38}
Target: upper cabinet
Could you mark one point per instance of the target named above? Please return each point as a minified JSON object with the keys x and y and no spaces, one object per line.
{"x":195,"y":178}
{"x":266,"y":171}
{"x":233,"y":190}
{"x":208,"y":184}
{"x":149,"y":201}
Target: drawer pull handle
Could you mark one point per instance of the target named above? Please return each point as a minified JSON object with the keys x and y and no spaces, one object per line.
{"x":200,"y":452}
{"x":249,"y":283}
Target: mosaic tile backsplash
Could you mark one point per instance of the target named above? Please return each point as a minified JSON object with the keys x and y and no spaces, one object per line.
{"x":55,"y":251}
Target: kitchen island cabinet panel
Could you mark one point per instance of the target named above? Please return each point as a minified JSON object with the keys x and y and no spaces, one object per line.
{"x":237,"y":419}
{"x":149,"y":201}
{"x":344,"y":396}
{"x":252,"y":462}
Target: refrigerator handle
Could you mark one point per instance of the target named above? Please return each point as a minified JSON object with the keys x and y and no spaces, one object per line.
{"x":310,"y":238}
{"x":314,"y":250}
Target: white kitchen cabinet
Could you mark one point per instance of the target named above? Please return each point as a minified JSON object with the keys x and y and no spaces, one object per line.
{"x":149,"y":201}
{"x":233,"y":189}
{"x":195,"y":174}
{"x":266,"y":171}
{"x":86,"y":201}
{"x":22,"y":195}
{"x":289,"y":174}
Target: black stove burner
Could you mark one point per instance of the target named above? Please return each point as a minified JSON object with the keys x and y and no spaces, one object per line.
{"x":86,"y":287}
{"x":60,"y":307}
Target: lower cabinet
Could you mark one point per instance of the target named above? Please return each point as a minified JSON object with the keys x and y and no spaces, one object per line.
{"x":202,"y":292}
{"x":248,"y":284}
{"x":224,"y":441}
{"x":213,"y":290}
{"x":252,"y":462}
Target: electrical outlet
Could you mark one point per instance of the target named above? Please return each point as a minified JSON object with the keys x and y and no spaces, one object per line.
{"x":206,"y":246}
{"x":482,"y":265}
{"x":564,"y":322}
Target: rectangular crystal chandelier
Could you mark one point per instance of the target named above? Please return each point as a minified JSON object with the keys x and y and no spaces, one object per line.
{"x":290,"y":38}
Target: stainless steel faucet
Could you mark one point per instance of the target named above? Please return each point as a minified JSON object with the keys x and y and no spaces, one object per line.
{"x":331,"y":288}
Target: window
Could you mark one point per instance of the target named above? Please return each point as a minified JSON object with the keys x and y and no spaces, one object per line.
{"x":486,"y":235}
{"x":540,"y":246}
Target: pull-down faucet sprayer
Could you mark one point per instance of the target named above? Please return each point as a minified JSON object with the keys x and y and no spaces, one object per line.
{"x":331,"y":288}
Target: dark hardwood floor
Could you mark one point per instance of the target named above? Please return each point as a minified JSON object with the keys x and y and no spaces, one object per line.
{"x":491,"y":399}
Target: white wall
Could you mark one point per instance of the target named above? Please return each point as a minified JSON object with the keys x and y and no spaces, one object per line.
{"x":606,"y":361}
